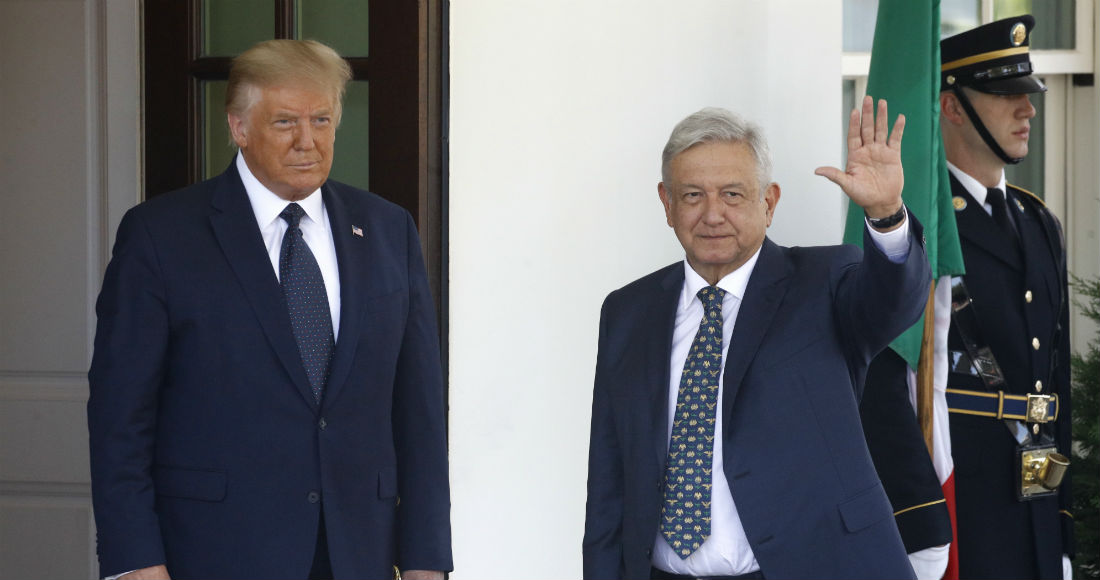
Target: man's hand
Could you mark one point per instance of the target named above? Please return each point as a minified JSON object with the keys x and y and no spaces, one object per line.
{"x":152,"y":573}
{"x":873,"y":179}
{"x":422,"y":575}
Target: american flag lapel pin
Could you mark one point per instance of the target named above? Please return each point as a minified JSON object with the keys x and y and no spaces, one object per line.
{"x":356,"y":231}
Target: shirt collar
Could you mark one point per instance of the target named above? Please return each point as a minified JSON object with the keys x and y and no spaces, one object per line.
{"x":972,"y":186}
{"x":267,"y":205}
{"x":733,"y":283}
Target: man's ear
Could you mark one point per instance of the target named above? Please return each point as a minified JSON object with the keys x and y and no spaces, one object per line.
{"x":665,"y":202}
{"x":237,"y":130}
{"x":771,"y":198}
{"x":951,"y":109}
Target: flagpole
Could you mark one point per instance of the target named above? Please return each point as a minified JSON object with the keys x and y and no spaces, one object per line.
{"x":925,"y":370}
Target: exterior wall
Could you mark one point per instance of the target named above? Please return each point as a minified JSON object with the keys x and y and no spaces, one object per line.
{"x":68,"y":167}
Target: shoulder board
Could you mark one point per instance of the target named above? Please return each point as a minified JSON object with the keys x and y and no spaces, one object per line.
{"x":1033,"y":196}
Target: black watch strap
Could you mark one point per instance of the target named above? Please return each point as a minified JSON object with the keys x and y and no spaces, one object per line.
{"x":888,"y":221}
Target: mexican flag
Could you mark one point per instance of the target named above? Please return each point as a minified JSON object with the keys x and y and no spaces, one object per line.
{"x":905,"y":70}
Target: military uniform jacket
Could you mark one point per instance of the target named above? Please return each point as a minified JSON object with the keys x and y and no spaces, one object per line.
{"x":901,"y":458}
{"x":1019,"y":297}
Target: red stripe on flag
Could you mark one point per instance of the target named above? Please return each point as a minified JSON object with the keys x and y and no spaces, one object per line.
{"x":952,"y":572}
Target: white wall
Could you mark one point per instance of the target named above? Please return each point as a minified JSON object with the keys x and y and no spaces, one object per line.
{"x":559,"y":111}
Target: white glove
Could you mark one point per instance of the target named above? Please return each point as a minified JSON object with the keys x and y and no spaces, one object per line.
{"x":1067,"y":568}
{"x":930,"y":563}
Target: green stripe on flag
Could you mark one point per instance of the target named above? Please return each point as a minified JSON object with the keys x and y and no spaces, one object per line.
{"x":905,"y":70}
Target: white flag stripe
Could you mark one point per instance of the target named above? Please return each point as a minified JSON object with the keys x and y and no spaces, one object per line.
{"x":941,"y":431}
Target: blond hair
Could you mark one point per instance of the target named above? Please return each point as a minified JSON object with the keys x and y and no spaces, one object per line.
{"x":280,"y":62}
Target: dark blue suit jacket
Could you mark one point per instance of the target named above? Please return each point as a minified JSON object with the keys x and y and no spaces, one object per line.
{"x":795,"y":458}
{"x":208,"y":451}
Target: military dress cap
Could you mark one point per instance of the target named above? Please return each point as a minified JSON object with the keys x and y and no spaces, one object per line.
{"x":992,"y":58}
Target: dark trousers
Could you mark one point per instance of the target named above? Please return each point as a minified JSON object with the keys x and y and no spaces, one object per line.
{"x":322,"y":566}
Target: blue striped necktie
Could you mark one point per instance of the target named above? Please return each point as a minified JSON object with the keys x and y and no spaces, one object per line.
{"x":307,"y":301}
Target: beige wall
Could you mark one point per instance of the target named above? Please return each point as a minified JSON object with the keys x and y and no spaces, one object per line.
{"x":68,"y":166}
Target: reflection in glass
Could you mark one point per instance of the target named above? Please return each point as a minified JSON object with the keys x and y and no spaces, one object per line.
{"x":959,"y":16}
{"x":228,"y":28}
{"x":847,"y":103}
{"x":351,"y":163}
{"x":1028,"y":174}
{"x":341,"y":24}
{"x":859,"y":25}
{"x":217,"y":149}
{"x":859,"y":21}
{"x":1055,"y":21}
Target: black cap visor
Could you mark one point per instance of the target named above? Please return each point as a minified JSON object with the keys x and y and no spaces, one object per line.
{"x":1011,"y":86}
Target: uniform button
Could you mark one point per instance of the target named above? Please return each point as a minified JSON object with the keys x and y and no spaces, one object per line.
{"x":322,"y":423}
{"x":1027,"y":296}
{"x":1038,"y":386}
{"x":1035,"y":343}
{"x":313,"y":497}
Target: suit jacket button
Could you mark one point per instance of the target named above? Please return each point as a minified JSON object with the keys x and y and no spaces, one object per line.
{"x":313,"y":497}
{"x":322,"y":423}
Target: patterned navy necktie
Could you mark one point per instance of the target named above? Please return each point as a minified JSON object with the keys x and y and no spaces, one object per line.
{"x":685,"y":515}
{"x":307,"y":301}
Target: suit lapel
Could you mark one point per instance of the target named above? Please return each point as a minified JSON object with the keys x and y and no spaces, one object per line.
{"x":764,"y":293}
{"x":657,"y":353}
{"x":234,"y":225}
{"x":353,"y":260}
{"x":978,"y":228}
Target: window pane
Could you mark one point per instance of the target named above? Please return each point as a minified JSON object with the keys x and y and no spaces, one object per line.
{"x":228,"y":28}
{"x":341,"y":24}
{"x":847,"y":103}
{"x":217,"y":151}
{"x":859,"y":24}
{"x":959,"y":16}
{"x":1055,"y":20}
{"x":859,"y":21}
{"x":1028,"y":174}
{"x":350,"y":162}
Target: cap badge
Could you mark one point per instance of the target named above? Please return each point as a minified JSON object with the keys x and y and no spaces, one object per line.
{"x":958,"y":202}
{"x":950,"y":79}
{"x":1019,"y":34}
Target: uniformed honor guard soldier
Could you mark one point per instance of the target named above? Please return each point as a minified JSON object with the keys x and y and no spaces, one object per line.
{"x":1008,"y":388}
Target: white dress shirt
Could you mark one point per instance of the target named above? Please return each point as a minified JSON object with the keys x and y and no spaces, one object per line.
{"x":726,"y":552}
{"x":315,"y":226}
{"x":975,"y":189}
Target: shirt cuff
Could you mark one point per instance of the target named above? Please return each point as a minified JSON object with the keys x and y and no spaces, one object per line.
{"x":895,"y":243}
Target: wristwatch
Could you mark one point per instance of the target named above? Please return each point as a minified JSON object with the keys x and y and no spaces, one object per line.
{"x":889,"y":221}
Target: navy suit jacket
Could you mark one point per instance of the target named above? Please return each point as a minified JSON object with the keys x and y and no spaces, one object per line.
{"x":208,"y":451}
{"x":795,"y":457}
